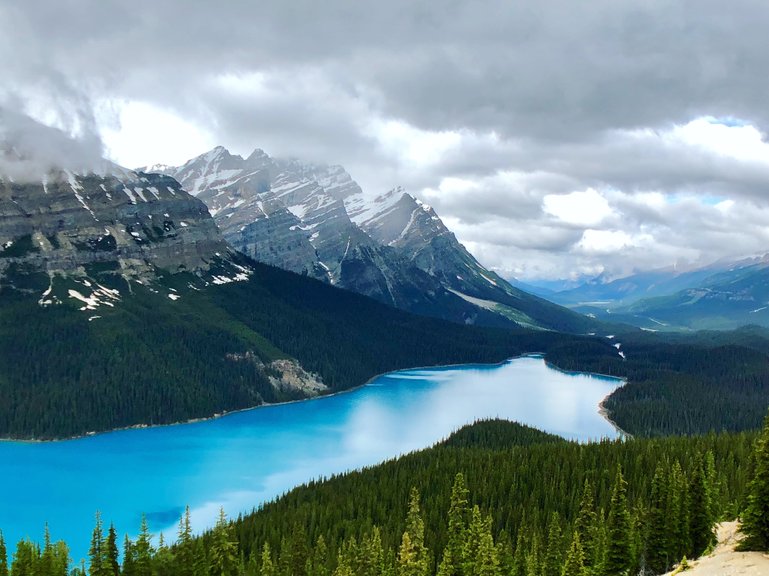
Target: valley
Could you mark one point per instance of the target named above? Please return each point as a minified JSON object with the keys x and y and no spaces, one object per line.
{"x":383,"y":288}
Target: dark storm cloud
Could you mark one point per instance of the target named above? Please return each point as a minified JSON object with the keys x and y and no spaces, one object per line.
{"x":547,"y":98}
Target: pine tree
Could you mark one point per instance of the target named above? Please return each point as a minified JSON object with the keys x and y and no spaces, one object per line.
{"x":412,"y":555}
{"x":185,"y":562}
{"x":586,"y":525}
{"x":371,"y":555}
{"x":505,"y":553}
{"x":95,"y":552}
{"x":553,"y":557}
{"x":267,"y":567}
{"x":223,"y":551}
{"x":60,"y":559}
{"x":657,"y":544}
{"x":519,"y":555}
{"x":298,"y":551}
{"x":711,"y":481}
{"x":25,"y":559}
{"x":317,"y":564}
{"x":46,"y":559}
{"x":163,"y":560}
{"x":457,"y":527}
{"x":678,"y":513}
{"x":480,"y":553}
{"x":129,"y":558}
{"x":700,"y":521}
{"x":448,"y":565}
{"x":618,"y":554}
{"x":111,"y":564}
{"x":142,"y":551}
{"x":533,"y":560}
{"x":575,"y":559}
{"x":472,"y":542}
{"x":486,"y":561}
{"x":755,"y":519}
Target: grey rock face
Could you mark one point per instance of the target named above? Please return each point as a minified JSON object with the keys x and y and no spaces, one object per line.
{"x":316,"y":220}
{"x":136,"y":222}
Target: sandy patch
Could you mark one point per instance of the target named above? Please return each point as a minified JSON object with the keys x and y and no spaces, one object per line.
{"x":724,"y":561}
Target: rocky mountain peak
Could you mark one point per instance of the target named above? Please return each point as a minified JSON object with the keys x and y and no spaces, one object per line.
{"x":316,"y":220}
{"x":67,"y":221}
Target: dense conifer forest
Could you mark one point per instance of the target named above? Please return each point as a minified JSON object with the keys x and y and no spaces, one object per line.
{"x":150,"y":360}
{"x":495,"y":498}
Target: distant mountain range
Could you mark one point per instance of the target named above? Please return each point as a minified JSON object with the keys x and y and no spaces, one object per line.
{"x":316,"y":221}
{"x":723,"y":295}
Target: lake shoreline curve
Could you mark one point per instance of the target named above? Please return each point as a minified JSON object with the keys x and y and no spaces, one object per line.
{"x":601,"y":408}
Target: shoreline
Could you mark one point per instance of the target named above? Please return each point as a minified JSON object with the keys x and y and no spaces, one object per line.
{"x":601,"y":409}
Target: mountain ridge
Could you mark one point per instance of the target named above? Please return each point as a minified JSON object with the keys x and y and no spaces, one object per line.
{"x":316,"y":220}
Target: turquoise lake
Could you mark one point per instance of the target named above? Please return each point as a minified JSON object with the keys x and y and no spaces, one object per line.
{"x":248,"y":457}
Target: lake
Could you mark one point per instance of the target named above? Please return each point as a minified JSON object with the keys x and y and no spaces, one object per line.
{"x":245,"y":458}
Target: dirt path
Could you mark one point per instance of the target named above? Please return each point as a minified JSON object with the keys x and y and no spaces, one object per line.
{"x":724,"y":561}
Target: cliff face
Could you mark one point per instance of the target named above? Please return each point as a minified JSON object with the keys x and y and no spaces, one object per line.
{"x":131,"y":222}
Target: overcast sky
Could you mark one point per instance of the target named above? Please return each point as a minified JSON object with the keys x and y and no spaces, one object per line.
{"x":556,"y":138}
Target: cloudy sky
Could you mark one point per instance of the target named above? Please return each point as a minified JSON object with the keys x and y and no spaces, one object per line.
{"x":556,"y":138}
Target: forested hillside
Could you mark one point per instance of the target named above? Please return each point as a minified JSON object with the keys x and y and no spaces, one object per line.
{"x":680,"y":384}
{"x":151,"y":359}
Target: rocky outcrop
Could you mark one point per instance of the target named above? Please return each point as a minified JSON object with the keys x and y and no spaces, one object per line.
{"x":133,"y":222}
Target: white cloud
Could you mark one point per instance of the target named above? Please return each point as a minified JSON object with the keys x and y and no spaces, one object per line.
{"x":586,"y":208}
{"x":139,"y":133}
{"x":548,"y":154}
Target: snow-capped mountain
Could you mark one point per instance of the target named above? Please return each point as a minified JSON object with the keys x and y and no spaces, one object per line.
{"x":316,"y":220}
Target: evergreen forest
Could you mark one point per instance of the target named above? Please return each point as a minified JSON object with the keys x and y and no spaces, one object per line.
{"x":151,"y":360}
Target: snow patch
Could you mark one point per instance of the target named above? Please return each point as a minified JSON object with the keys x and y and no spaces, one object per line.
{"x":130,"y":195}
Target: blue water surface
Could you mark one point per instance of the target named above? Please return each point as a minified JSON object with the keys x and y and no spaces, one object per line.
{"x":245,"y":458}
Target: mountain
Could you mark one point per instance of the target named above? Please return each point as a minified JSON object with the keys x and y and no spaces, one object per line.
{"x":122,"y":304}
{"x":724,"y":300}
{"x":600,"y":291}
{"x":316,"y":221}
{"x":129,"y":223}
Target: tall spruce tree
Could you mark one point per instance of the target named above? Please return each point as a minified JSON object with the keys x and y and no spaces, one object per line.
{"x":755,"y":519}
{"x":618,"y":550}
{"x":184,"y":547}
{"x":129,"y":558}
{"x":451,"y":563}
{"x":25,"y":559}
{"x":519,"y":555}
{"x":678,"y":513}
{"x":317,"y":565}
{"x":267,"y":567}
{"x":700,"y":520}
{"x":223,"y":550}
{"x":657,"y":544}
{"x":413,"y":558}
{"x":95,"y":551}
{"x":586,"y":525}
{"x":142,"y":550}
{"x":575,"y":559}
{"x":553,"y":554}
{"x":110,"y":561}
